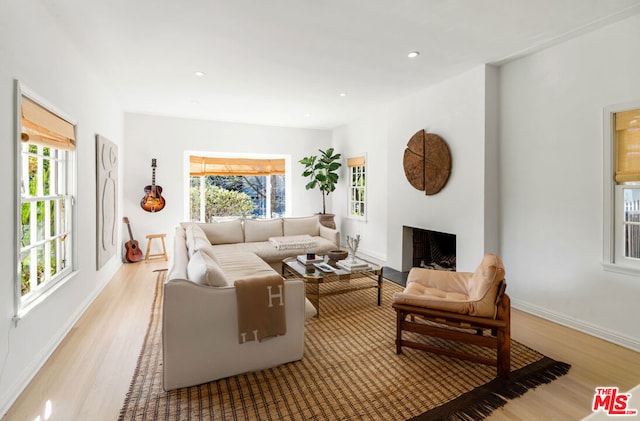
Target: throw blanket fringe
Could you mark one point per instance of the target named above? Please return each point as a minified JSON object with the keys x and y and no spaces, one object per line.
{"x":292,"y":242}
{"x":261,"y":309}
{"x":482,"y":401}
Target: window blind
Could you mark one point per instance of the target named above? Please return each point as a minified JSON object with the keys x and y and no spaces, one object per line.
{"x":202,"y":166}
{"x":42,"y":127}
{"x":356,"y":161}
{"x":628,"y":146}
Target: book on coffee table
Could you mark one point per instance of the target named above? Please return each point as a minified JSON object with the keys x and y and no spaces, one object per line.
{"x":302,"y":258}
{"x":349,"y":265}
{"x":324,"y":267}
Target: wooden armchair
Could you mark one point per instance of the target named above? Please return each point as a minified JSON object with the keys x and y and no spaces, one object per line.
{"x":460,"y":306}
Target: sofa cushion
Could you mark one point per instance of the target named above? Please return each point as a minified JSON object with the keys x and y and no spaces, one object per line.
{"x":261,"y":230}
{"x":299,"y":226}
{"x":202,"y":269}
{"x":195,"y":239}
{"x":227,"y":232}
{"x":265,"y":251}
{"x":241,"y":264}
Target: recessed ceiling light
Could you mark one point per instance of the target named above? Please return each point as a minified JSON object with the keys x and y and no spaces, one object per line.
{"x":199,"y":74}
{"x":413,"y":54}
{"x":195,"y":102}
{"x":307,"y":115}
{"x":343,"y":94}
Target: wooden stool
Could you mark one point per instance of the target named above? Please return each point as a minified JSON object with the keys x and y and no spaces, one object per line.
{"x":149,"y":256}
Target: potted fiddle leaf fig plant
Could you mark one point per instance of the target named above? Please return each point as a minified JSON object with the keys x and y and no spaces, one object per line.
{"x":322,"y":173}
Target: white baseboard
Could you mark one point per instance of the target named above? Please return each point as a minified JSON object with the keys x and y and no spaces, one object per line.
{"x":579,"y":325}
{"x":11,"y":395}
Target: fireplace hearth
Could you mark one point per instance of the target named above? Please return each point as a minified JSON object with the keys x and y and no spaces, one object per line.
{"x":434,"y":250}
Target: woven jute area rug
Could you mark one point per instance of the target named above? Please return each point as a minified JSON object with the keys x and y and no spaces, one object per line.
{"x":349,"y":372}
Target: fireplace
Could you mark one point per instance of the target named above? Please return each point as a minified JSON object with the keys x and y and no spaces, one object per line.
{"x":433,"y":249}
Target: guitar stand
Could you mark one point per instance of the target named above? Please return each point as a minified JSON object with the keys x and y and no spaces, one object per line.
{"x":162,"y":255}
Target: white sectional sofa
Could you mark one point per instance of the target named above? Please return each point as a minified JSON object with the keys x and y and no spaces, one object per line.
{"x":199,"y":327}
{"x":253,"y":236}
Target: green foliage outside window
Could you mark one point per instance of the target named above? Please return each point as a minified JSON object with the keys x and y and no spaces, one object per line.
{"x":220,"y":203}
{"x":358,"y":187}
{"x":26,"y":223}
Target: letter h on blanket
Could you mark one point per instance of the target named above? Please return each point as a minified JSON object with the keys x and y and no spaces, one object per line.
{"x":261,"y":311}
{"x":279,"y":295}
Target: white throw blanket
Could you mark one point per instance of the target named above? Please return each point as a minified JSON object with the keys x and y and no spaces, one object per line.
{"x":292,"y":242}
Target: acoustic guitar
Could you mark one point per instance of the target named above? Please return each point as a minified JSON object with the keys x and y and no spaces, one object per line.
{"x":133,"y":253}
{"x":153,"y":200}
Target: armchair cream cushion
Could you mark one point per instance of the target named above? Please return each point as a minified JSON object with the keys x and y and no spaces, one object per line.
{"x":459,"y":292}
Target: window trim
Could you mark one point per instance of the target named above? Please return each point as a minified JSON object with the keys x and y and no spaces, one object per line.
{"x":610,"y":237}
{"x":21,"y":308}
{"x":350,"y":187}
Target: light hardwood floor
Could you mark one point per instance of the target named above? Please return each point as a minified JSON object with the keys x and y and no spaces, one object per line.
{"x":88,"y":375}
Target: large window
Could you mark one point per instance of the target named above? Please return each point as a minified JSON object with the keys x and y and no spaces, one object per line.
{"x":357,"y":187}
{"x":222,"y":187}
{"x":622,"y":189}
{"x":45,"y":206}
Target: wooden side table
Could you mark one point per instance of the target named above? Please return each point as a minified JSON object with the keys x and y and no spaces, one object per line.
{"x":162,"y":255}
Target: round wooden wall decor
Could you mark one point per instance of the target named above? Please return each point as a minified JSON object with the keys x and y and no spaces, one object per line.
{"x":427,"y":162}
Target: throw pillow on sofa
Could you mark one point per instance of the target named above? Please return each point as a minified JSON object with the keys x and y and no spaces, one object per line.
{"x":225,"y":232}
{"x":256,"y":230}
{"x":196,"y":239}
{"x":202,"y":269}
{"x":299,"y":226}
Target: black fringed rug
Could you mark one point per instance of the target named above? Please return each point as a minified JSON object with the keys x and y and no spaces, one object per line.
{"x":349,"y":372}
{"x":483,"y":400}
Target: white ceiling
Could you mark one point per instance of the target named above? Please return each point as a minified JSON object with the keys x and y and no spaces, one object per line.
{"x":285,"y":62}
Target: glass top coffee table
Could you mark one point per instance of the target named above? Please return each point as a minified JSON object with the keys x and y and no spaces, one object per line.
{"x":352,"y":280}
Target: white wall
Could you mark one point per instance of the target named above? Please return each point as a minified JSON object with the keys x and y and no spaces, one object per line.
{"x":491,"y":162}
{"x":34,"y":51}
{"x":367,"y":136}
{"x":167,"y":139}
{"x":551,"y":180}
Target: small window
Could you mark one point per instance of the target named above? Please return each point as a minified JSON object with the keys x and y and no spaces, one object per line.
{"x":357,"y":187}
{"x":622,"y":190}
{"x":45,"y":206}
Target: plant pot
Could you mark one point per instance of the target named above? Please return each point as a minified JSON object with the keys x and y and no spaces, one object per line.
{"x":327,"y":219}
